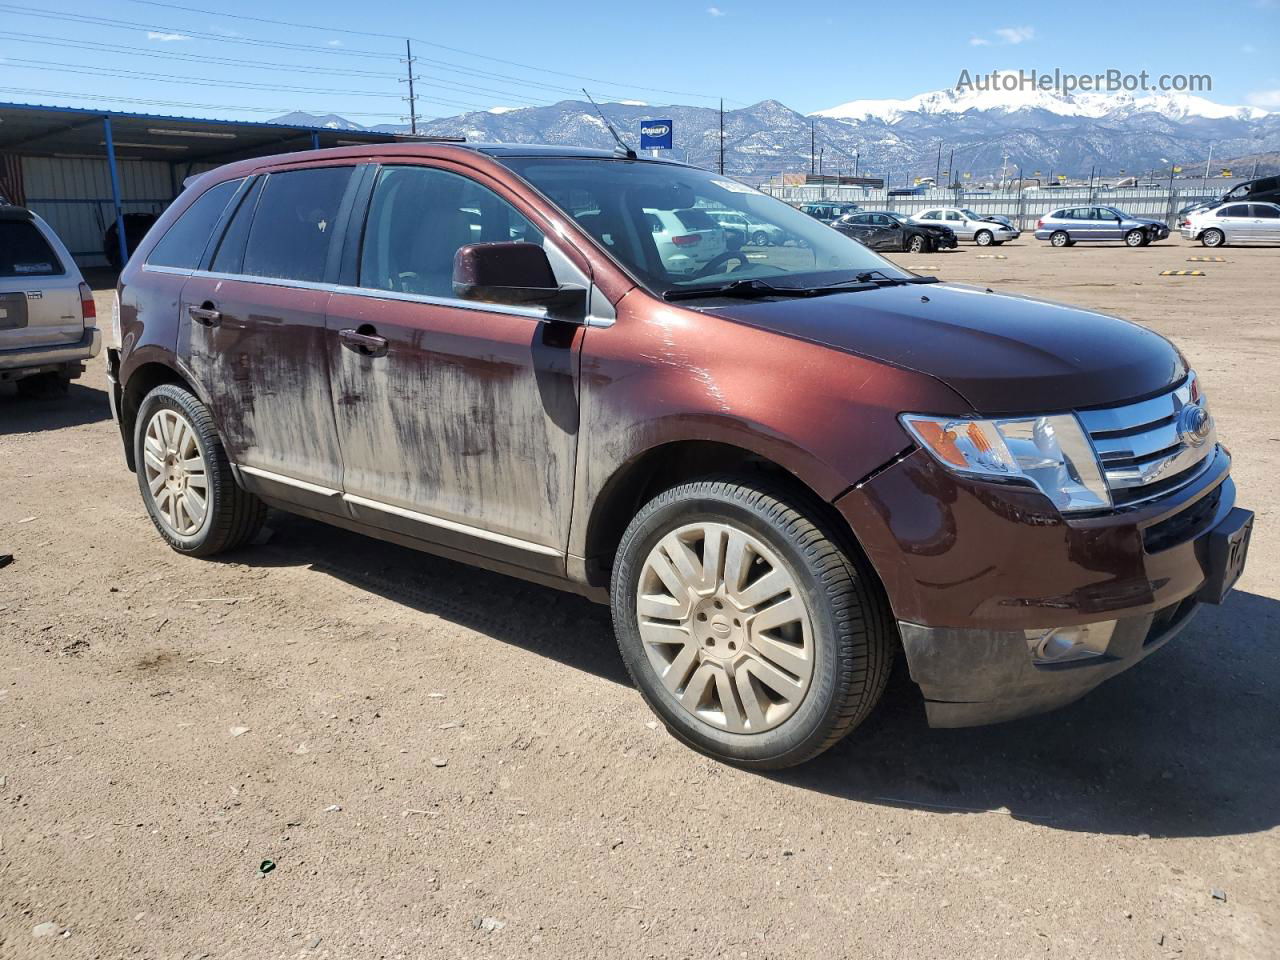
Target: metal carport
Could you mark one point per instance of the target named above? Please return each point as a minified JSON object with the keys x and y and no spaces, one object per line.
{"x":81,"y":168}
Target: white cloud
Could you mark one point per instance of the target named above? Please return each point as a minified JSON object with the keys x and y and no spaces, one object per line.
{"x":333,"y":43}
{"x":979,"y":42}
{"x":1016,"y":35}
{"x":715,"y":11}
{"x":166,"y":37}
{"x":1264,"y":98}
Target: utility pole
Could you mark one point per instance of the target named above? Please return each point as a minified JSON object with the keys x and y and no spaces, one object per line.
{"x":813,"y":146}
{"x":1207,"y":160}
{"x":722,"y":136}
{"x":413,"y":100}
{"x":821,"y":179}
{"x":937,"y":173}
{"x":951,"y":165}
{"x":856,"y":155}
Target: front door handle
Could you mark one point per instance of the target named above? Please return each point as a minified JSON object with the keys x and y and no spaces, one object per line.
{"x":364,"y":341}
{"x":204,"y":314}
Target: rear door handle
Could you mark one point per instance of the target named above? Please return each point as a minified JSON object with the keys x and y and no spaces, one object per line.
{"x":205,"y":315}
{"x":364,"y":341}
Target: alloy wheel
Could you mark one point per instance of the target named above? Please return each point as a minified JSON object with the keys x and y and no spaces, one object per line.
{"x":725,"y":627}
{"x":176,"y":472}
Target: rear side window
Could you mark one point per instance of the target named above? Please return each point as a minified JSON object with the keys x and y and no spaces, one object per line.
{"x":229,"y":257}
{"x":293,"y":226}
{"x":1238,"y":210}
{"x":24,"y":252}
{"x":184,"y":242}
{"x":694,"y":220}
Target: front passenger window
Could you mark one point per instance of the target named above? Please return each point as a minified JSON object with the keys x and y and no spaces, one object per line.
{"x":419,"y":217}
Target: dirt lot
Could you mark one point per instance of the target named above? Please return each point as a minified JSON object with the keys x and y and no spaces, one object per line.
{"x":445,"y":762}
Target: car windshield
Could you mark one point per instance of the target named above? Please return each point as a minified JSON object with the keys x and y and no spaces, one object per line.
{"x":973,"y":215}
{"x":1119,"y":213}
{"x":614,"y":201}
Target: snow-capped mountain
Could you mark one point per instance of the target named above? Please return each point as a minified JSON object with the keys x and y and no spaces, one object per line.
{"x":1034,"y":130}
{"x":1176,"y":106}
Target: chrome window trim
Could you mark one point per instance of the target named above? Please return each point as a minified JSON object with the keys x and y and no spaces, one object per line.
{"x":529,"y":313}
{"x":424,"y":518}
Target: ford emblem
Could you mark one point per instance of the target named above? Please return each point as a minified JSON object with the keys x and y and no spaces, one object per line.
{"x":1194,"y":425}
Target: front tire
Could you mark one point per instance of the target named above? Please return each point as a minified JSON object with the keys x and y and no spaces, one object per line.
{"x":185,"y":477}
{"x":760,"y":239}
{"x":983,"y":238}
{"x":916,"y":244}
{"x":1134,"y":238}
{"x":748,"y":628}
{"x":1213,"y":238}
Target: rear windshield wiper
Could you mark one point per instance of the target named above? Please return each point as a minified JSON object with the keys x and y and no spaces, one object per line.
{"x":740,"y":288}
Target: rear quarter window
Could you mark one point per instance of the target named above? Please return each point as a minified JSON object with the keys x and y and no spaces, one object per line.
{"x":24,"y":252}
{"x":183,"y":244}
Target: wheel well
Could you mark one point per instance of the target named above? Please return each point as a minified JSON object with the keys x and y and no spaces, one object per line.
{"x":670,"y":465}
{"x":145,"y":379}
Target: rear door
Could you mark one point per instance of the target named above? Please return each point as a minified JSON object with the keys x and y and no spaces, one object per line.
{"x":1266,"y":222}
{"x":460,"y":427}
{"x":255,"y":338}
{"x":39,"y":287}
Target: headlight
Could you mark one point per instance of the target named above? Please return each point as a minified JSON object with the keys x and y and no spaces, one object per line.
{"x":1053,"y":453}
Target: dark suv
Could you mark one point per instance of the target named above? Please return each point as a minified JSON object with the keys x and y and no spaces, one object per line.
{"x":780,"y":468}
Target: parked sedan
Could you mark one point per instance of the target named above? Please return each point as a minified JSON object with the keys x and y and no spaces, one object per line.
{"x":1068,"y":226}
{"x":967,"y":225}
{"x":746,"y":231}
{"x":887,"y":230}
{"x":47,"y":316}
{"x":1233,"y":223}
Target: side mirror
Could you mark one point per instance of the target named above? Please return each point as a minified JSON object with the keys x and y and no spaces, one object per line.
{"x":517,"y":274}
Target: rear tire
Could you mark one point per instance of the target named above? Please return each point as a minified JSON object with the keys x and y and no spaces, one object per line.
{"x":1213,"y":238}
{"x":179,"y":457}
{"x":716,"y":561}
{"x":1059,"y":238}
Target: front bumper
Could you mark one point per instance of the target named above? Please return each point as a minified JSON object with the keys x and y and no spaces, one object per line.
{"x":27,"y":358}
{"x":969,"y":566}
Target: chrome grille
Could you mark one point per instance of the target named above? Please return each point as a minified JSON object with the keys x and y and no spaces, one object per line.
{"x":1142,"y":448}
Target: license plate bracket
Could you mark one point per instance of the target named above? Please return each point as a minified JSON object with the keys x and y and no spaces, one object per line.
{"x":1228,"y":551}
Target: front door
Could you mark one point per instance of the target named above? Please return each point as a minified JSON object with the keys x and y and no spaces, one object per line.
{"x":458,"y":421}
{"x":254,"y":332}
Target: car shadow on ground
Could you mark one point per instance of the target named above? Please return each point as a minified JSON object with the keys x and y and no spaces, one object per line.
{"x":49,"y":408}
{"x":1185,"y":744}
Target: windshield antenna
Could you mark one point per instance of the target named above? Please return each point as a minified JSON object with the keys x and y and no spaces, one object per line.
{"x":622,"y":148}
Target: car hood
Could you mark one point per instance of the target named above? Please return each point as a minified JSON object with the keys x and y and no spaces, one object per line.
{"x":1004,"y":354}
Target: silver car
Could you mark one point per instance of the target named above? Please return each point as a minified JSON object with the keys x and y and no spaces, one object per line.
{"x":1233,"y":223}
{"x":967,"y":225}
{"x":1072,"y":225}
{"x":47,"y":317}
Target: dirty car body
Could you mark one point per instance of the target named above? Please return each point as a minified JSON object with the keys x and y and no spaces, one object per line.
{"x":362,"y":383}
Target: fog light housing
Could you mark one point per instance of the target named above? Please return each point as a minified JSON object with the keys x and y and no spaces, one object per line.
{"x":1065,"y":644}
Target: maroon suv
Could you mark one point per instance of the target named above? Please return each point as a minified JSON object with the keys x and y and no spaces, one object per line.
{"x":780,"y":464}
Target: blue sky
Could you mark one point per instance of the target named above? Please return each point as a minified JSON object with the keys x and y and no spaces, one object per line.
{"x":658,"y":51}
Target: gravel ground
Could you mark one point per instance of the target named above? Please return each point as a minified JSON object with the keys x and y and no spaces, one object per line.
{"x":446,"y":762}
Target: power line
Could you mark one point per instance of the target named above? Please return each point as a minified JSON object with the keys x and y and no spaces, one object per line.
{"x":204,"y":35}
{"x":170,"y":103}
{"x":251,"y":85}
{"x":428,"y":43}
